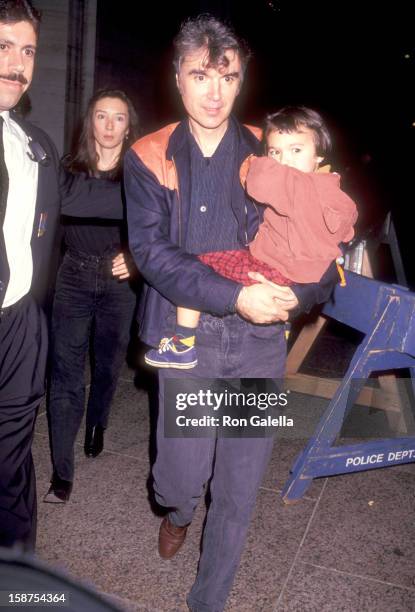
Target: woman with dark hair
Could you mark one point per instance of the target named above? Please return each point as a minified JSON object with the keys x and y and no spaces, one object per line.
{"x":94,"y":302}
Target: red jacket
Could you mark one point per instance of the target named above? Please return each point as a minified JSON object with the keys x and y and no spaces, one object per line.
{"x":306,"y":219}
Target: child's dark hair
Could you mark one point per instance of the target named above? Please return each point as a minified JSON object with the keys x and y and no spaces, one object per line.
{"x":292,"y":118}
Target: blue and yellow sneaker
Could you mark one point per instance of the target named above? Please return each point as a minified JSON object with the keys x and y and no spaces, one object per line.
{"x":172,"y":353}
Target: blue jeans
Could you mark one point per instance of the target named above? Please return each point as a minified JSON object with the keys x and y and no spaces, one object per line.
{"x":226,"y":348}
{"x":91,"y":309}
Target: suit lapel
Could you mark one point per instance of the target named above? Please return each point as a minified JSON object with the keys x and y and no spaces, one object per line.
{"x":40,"y":218}
{"x":40,"y":181}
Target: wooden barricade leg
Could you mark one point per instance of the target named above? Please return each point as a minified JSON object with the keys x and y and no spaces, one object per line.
{"x":303,"y":343}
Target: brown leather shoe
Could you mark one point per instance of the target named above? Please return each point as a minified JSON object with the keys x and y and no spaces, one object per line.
{"x":171,"y":538}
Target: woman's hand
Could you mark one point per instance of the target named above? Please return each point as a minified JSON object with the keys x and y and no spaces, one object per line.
{"x":120,"y":267}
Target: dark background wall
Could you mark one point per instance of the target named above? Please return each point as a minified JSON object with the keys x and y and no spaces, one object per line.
{"x":352,"y":61}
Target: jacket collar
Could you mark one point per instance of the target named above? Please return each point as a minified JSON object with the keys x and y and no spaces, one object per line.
{"x":6,"y":118}
{"x":178,"y":140}
{"x":25,"y":125}
{"x":43,"y":171}
{"x":248,"y":143}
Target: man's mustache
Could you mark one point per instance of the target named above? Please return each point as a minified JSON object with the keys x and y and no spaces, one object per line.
{"x":14,"y":77}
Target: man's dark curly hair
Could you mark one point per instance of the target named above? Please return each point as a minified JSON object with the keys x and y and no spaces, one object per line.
{"x":207,"y":32}
{"x":13,"y":11}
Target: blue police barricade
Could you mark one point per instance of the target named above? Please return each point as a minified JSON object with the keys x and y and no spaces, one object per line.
{"x":385,"y":314}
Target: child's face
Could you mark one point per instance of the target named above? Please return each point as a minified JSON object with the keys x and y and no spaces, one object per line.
{"x":296,"y":149}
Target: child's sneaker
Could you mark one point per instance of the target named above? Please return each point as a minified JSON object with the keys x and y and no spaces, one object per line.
{"x":170,"y":354}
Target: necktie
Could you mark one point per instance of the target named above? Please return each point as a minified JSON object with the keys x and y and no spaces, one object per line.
{"x":4,"y":177}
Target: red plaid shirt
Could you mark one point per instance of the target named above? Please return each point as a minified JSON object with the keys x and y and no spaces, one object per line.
{"x":236,"y":265}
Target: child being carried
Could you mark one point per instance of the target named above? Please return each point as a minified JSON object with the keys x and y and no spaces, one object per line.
{"x":306,"y":217}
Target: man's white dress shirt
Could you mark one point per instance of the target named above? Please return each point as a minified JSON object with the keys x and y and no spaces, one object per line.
{"x":20,"y":210}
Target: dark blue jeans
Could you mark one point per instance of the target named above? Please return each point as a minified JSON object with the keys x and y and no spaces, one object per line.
{"x":91,"y":309}
{"x":227,"y":348}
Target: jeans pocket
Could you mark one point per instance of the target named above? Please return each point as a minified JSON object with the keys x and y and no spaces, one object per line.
{"x":265,"y":332}
{"x":74,"y":279}
{"x":72,"y":265}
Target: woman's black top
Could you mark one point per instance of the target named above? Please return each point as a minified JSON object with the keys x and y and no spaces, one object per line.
{"x":89,"y":234}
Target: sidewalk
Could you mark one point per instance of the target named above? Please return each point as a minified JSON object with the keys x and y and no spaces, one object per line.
{"x":348,"y":545}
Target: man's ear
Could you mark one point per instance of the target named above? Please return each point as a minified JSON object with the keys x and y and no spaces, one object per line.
{"x":319,"y":160}
{"x":178,"y":82}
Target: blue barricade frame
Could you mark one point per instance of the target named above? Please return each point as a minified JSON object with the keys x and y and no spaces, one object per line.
{"x":385,"y":314}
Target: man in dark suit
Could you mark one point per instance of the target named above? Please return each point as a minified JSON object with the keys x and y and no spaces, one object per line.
{"x":31,"y":182}
{"x":24,"y":243}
